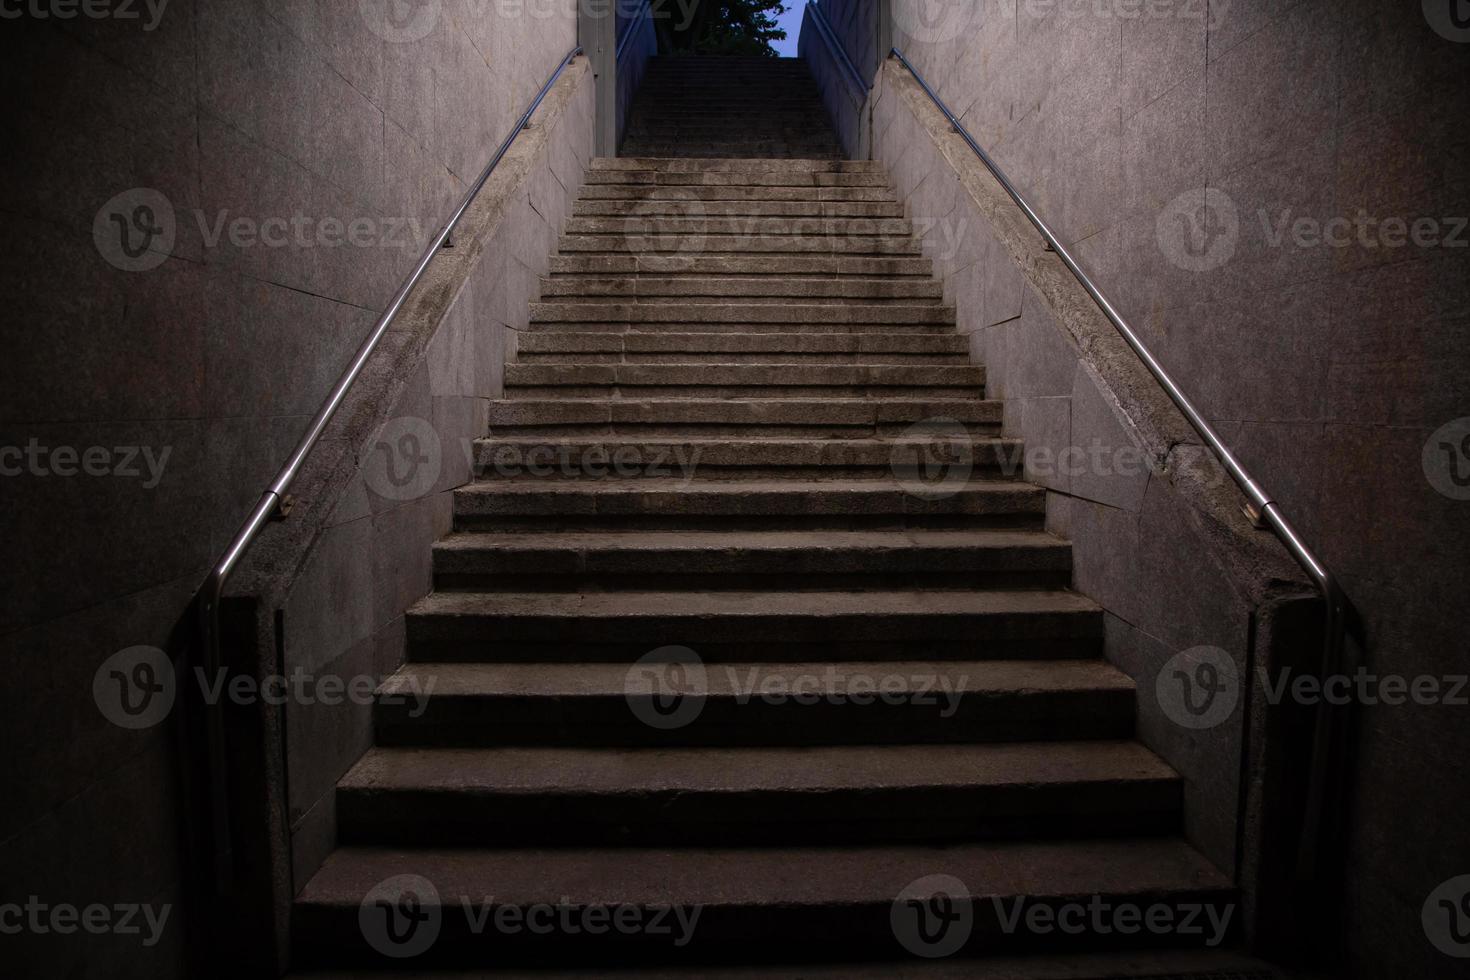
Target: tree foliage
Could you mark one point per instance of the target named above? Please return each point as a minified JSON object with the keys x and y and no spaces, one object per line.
{"x":714,"y":27}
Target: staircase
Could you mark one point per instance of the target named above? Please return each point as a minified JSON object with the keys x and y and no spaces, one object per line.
{"x":729,"y":107}
{"x":718,"y":631}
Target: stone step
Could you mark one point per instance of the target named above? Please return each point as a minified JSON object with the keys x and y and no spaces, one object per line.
{"x":751,"y":227}
{"x":736,"y":178}
{"x":1153,"y":964}
{"x":751,"y":704}
{"x":676,"y":165}
{"x":764,"y":414}
{"x":743,"y":796}
{"x":699,"y":242}
{"x":726,"y":457}
{"x":697,"y":905}
{"x":697,"y":192}
{"x":778,"y":504}
{"x":729,"y":150}
{"x":731,"y":312}
{"x":753,"y":625}
{"x":809,"y":560}
{"x":665,"y":342}
{"x":779,"y":268}
{"x":646,"y":288}
{"x":757,"y":376}
{"x":832,"y":209}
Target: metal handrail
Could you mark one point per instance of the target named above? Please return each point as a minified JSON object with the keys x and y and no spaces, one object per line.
{"x":1262,"y":508}
{"x":643,"y":11}
{"x":274,"y":502}
{"x":829,"y":36}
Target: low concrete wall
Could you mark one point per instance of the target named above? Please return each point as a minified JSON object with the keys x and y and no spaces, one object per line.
{"x":325,"y":591}
{"x":1158,"y":533}
{"x":847,"y":104}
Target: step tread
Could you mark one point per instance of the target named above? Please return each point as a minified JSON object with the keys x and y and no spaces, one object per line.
{"x":704,"y":541}
{"x":766,"y":877}
{"x":1215,"y":964}
{"x":564,"y":680}
{"x":874,"y":603}
{"x":740,"y":770}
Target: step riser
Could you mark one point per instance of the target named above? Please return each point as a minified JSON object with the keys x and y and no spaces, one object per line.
{"x":696,"y":192}
{"x":726,"y":166}
{"x":649,"y":290}
{"x":503,"y":414}
{"x":751,"y":209}
{"x":786,"y":344}
{"x":692,"y":243}
{"x":933,"y":314}
{"x":510,"y":639}
{"x":741,"y":391}
{"x":723,"y":933}
{"x":797,"y":358}
{"x":664,"y":178}
{"x":684,"y":817}
{"x":633,"y":458}
{"x":1014,"y":521}
{"x":660,"y":266}
{"x":609,"y":721}
{"x":752,"y":227}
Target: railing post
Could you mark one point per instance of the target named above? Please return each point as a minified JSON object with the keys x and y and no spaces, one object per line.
{"x":597,"y":33}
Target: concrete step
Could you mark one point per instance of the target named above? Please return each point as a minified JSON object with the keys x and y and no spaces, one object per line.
{"x":1158,"y":964}
{"x":766,"y":146}
{"x":721,"y":457}
{"x":800,"y":560}
{"x":770,"y":504}
{"x":757,"y":376}
{"x":752,"y":704}
{"x":730,"y":287}
{"x":736,"y":178}
{"x":786,"y":266}
{"x":766,"y":415}
{"x":561,"y":311}
{"x":697,"y":242}
{"x":753,"y":356}
{"x":740,"y":796}
{"x":749,"y":227}
{"x":669,"y":341}
{"x":754,"y":625}
{"x":736,"y":192}
{"x":675,"y":165}
{"x":824,"y":901}
{"x":824,"y":209}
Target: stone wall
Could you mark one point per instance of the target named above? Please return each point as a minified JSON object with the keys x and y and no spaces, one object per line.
{"x":1209,"y":163}
{"x":302,"y":154}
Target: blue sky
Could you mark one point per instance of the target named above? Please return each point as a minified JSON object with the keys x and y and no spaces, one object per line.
{"x":791,"y":20}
